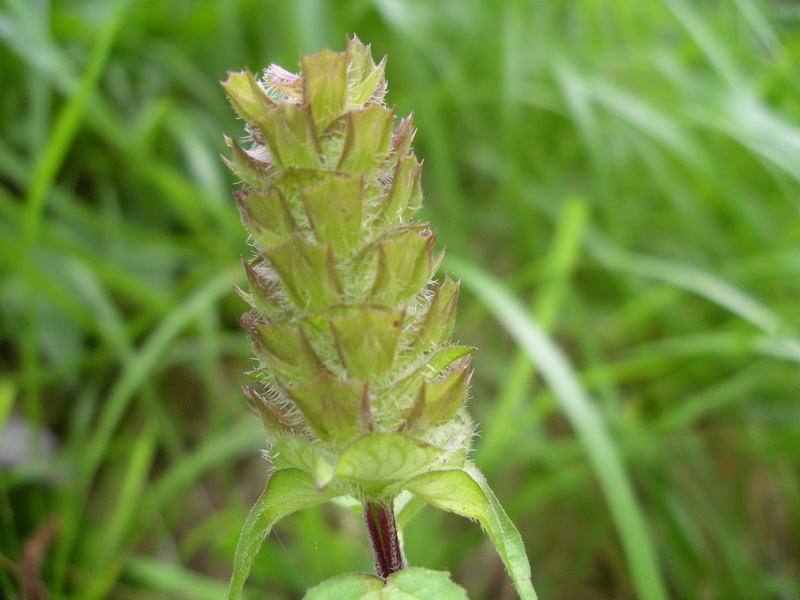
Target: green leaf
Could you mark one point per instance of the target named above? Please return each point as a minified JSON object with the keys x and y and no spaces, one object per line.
{"x":352,"y":586}
{"x":247,"y":97}
{"x":308,"y":273}
{"x":295,"y":452}
{"x":366,"y":340}
{"x":413,"y":583}
{"x":287,"y":491}
{"x":466,"y":493}
{"x":325,"y":85}
{"x":422,"y":584}
{"x":368,"y":141}
{"x":380,"y":459}
{"x":334,"y":209}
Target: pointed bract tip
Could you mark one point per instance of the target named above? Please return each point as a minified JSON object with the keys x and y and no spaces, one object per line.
{"x":248,"y":98}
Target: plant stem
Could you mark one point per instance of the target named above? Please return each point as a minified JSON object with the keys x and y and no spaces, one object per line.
{"x":383,"y":536}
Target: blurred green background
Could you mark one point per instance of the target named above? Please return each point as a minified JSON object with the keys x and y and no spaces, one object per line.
{"x":628,"y":172}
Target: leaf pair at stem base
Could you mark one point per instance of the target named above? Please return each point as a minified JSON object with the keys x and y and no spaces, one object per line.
{"x":462,"y":491}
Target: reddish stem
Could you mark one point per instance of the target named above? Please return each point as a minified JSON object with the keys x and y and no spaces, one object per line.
{"x":383,"y":536}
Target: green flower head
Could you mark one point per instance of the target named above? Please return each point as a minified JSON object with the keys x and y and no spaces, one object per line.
{"x":357,"y":384}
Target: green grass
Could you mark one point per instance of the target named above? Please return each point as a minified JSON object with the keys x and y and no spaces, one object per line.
{"x":618,"y":185}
